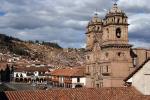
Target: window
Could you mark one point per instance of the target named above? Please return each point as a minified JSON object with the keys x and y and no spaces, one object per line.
{"x":118,"y":33}
{"x":119,"y":54}
{"x":107,"y":30}
{"x":78,"y":79}
{"x":106,"y":68}
{"x":118,"y":20}
{"x":88,"y":57}
{"x":98,"y":28}
{"x":106,"y":54}
{"x":97,"y":85}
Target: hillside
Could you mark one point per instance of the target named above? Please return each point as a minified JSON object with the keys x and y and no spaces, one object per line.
{"x":45,"y":51}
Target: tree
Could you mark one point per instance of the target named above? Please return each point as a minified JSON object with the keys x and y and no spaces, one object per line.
{"x":2,"y":75}
{"x":7,"y":73}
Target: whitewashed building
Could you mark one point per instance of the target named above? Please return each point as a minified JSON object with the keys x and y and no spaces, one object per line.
{"x":140,"y":78}
{"x":30,"y":74}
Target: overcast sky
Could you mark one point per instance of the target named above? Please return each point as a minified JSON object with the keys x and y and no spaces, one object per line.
{"x":65,"y":21}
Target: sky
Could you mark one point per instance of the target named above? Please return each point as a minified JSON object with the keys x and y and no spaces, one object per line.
{"x":64,"y":21}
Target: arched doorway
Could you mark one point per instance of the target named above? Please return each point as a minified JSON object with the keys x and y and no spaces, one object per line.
{"x":78,"y":86}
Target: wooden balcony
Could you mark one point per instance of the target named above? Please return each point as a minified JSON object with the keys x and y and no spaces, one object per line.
{"x":55,"y":80}
{"x":67,"y":81}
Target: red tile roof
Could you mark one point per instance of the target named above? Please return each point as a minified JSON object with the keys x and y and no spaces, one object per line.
{"x":69,"y":72}
{"x":121,"y":93}
{"x":32,"y":69}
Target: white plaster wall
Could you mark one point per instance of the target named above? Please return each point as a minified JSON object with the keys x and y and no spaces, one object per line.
{"x":141,"y":80}
{"x":82,"y":80}
{"x":19,"y":73}
{"x":74,"y":80}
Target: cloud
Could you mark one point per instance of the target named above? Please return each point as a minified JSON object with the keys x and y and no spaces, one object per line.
{"x":64,"y":21}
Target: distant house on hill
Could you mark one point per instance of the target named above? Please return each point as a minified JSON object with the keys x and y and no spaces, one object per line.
{"x":69,"y":77}
{"x":140,"y":78}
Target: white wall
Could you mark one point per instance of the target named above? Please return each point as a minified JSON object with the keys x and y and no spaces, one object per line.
{"x":141,"y":79}
{"x":82,"y":81}
{"x":19,"y":73}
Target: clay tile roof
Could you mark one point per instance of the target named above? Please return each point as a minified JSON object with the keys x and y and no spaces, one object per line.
{"x":72,"y":72}
{"x":136,"y":70}
{"x":32,"y":69}
{"x":120,"y":93}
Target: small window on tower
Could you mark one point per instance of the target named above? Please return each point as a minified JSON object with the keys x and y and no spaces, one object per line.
{"x":98,"y":28}
{"x":106,"y":68}
{"x":125,"y":20}
{"x":118,"y":20}
{"x":107,"y":30}
{"x":88,"y":57}
{"x":118,"y":33}
{"x":119,"y":54}
{"x":106,"y":54}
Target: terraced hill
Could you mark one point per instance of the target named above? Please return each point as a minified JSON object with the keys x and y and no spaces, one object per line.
{"x":45,"y":51}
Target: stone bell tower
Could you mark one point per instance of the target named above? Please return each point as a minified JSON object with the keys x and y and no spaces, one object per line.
{"x":94,"y":40}
{"x":110,"y":60}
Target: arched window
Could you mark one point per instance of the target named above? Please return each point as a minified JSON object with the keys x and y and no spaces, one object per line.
{"x":107,"y":30}
{"x":119,"y":54}
{"x":125,"y":20}
{"x":118,"y":20}
{"x":98,"y":28}
{"x":106,"y":54}
{"x":118,"y":33}
{"x":107,"y":69}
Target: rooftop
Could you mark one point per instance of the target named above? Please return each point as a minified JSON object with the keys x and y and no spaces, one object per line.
{"x":69,"y":72}
{"x":120,"y":93}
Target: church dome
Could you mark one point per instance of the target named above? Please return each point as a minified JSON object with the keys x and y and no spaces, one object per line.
{"x":115,"y":10}
{"x":95,"y":19}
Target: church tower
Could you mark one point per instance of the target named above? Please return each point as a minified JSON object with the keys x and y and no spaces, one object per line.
{"x":94,"y":40}
{"x":109,"y":51}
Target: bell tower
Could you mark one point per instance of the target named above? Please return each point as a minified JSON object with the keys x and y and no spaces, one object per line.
{"x":115,"y":27}
{"x":94,"y":27}
{"x":94,"y":40}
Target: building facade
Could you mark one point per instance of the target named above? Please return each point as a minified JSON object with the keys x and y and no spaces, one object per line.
{"x":109,"y":56}
{"x":68,"y":78}
{"x":140,"y":78}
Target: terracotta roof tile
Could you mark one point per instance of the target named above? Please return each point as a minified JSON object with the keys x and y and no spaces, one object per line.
{"x":32,"y":69}
{"x":69,"y":72}
{"x":121,"y":93}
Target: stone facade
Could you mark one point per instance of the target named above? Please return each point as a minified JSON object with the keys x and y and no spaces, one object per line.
{"x":109,"y":56}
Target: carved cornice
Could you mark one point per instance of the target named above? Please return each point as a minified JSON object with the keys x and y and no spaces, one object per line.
{"x":116,"y":46}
